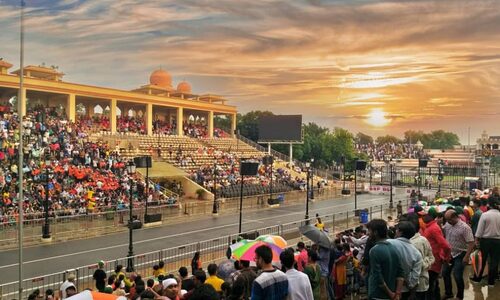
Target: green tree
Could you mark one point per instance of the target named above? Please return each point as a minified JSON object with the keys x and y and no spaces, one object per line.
{"x":248,"y":124}
{"x":438,"y":139}
{"x":363,"y":139}
{"x":387,"y":139}
{"x":223,"y":122}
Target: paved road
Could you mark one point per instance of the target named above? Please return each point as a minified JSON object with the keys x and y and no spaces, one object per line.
{"x":46,"y":259}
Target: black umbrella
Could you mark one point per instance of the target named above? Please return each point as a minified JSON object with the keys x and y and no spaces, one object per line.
{"x":315,"y":235}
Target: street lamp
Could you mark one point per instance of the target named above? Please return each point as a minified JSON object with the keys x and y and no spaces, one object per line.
{"x":130,"y":260}
{"x":391,"y":165}
{"x":440,"y":175}
{"x":214,"y":208}
{"x":312,"y":179}
{"x":308,"y":168}
{"x":46,"y":224}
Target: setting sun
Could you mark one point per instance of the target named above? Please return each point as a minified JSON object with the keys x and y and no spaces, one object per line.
{"x":377,"y":118}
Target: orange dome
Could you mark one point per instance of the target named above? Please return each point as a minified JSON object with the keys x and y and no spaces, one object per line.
{"x":161,"y":78}
{"x":184,"y":87}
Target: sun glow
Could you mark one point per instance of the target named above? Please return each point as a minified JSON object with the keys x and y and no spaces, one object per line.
{"x":377,"y":118}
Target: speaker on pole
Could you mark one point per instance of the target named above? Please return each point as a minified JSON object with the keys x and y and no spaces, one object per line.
{"x":422,"y":163}
{"x":249,"y":168}
{"x":360,"y":165}
{"x":142,"y":161}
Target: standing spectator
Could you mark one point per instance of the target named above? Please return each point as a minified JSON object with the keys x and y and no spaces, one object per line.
{"x":199,"y":278}
{"x":385,"y":280}
{"x":196,"y":262}
{"x":441,"y":251}
{"x":459,"y":236}
{"x":319,"y":224}
{"x":359,"y":240}
{"x":424,"y":247}
{"x":70,"y":282}
{"x":246,"y":278}
{"x":271,"y":284}
{"x":187,"y":283}
{"x":299,"y":287}
{"x":313,"y":272}
{"x":474,"y":221}
{"x":212,"y":279}
{"x":100,"y":277}
{"x":488,"y":239}
{"x":324,"y":265}
{"x":399,"y":209}
{"x":302,"y":257}
{"x":410,"y":258}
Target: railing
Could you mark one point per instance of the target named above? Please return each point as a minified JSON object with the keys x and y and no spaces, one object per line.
{"x":212,"y":250}
{"x":63,"y":227}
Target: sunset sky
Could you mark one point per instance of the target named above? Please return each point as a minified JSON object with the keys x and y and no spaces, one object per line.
{"x":380,"y":67}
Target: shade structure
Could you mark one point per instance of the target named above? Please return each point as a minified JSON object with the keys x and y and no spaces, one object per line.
{"x":315,"y":235}
{"x":245,"y":250}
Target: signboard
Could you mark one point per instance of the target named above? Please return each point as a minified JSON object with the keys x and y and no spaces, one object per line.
{"x":381,"y":189}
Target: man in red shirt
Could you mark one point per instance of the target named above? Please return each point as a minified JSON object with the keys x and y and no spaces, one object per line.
{"x":302,"y":258}
{"x":440,"y":249}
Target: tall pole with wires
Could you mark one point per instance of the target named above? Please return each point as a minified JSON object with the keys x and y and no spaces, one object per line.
{"x":20,"y":113}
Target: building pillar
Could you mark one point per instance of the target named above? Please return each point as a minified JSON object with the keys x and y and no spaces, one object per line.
{"x":149,"y":118}
{"x":21,"y":98}
{"x":180,"y":117}
{"x":291,"y":154}
{"x":233,"y":125}
{"x":112,"y":115}
{"x":211,"y":124}
{"x":71,"y":107}
{"x":90,"y":110}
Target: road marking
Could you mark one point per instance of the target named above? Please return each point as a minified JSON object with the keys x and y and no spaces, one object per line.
{"x":260,"y":220}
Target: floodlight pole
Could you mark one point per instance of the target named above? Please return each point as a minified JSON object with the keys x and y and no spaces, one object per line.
{"x":20,"y":111}
{"x":241,"y":205}
{"x":214,"y":208}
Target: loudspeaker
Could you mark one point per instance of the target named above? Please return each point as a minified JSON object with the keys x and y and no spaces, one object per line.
{"x":142,"y":161}
{"x":248,"y":168}
{"x":268,"y":160}
{"x":360,"y":165}
{"x":346,"y":192}
{"x":422,"y":163}
{"x":250,"y":235}
{"x":152,"y":218}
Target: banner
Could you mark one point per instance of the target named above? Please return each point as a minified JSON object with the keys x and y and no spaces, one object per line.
{"x":381,"y":189}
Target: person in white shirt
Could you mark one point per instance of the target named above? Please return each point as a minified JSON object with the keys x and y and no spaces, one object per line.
{"x":488,"y":239}
{"x":70,"y":282}
{"x":299,"y":287}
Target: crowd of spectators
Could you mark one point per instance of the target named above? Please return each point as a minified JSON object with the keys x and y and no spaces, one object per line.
{"x":195,"y":130}
{"x":97,"y":122}
{"x":380,"y":152}
{"x":379,"y":260}
{"x":76,"y":175}
{"x":165,"y":128}
{"x":131,"y":124}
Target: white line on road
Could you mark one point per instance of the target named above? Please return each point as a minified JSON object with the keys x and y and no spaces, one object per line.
{"x":260,"y":220}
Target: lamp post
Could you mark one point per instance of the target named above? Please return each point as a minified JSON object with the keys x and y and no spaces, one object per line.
{"x":306,"y":217}
{"x":130,"y":260}
{"x":391,"y":203}
{"x":440,"y":175}
{"x":342,"y":161}
{"x":46,"y":224}
{"x":214,"y":208}
{"x":312,"y":179}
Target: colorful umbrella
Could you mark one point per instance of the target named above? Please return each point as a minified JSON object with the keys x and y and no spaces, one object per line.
{"x":273,"y":240}
{"x":88,"y":295}
{"x":245,"y":250}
